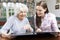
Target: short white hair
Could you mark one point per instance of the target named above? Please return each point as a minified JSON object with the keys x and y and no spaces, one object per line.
{"x":20,"y":7}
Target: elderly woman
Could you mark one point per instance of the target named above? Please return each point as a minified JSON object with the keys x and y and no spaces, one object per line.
{"x":18,"y":23}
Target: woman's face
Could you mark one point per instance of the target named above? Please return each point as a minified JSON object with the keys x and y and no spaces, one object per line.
{"x":21,"y":15}
{"x":40,"y":11}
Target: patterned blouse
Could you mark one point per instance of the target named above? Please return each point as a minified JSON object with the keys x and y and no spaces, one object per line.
{"x":49,"y":23}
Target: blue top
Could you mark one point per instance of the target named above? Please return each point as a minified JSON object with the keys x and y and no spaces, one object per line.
{"x":15,"y":25}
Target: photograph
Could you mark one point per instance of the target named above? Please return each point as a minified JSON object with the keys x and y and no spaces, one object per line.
{"x":29,"y":19}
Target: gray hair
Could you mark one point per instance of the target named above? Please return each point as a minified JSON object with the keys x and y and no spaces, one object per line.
{"x":20,"y":7}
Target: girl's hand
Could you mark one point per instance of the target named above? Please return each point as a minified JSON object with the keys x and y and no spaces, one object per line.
{"x":38,"y":30}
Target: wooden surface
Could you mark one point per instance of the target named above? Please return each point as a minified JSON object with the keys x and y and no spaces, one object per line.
{"x":35,"y":37}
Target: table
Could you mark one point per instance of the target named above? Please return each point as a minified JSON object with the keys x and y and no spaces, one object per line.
{"x":36,"y":37}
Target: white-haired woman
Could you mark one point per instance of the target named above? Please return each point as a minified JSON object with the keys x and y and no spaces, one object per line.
{"x":18,"y":23}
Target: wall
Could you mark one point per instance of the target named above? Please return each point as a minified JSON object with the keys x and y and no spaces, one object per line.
{"x":51,"y":6}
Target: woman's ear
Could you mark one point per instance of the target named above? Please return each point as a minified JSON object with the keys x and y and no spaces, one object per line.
{"x":45,"y":10}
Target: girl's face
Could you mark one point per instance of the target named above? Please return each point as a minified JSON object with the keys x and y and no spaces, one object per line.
{"x":40,"y":11}
{"x":21,"y":15}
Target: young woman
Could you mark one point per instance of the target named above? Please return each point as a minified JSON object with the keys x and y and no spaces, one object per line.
{"x":44,"y":21}
{"x":18,"y":23}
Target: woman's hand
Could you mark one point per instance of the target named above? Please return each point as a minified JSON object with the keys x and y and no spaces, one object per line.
{"x":6,"y":36}
{"x":28,"y":28}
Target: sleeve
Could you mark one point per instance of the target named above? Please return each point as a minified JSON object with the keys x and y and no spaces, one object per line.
{"x":6,"y":26}
{"x":30,"y":28}
{"x":35,"y":23}
{"x":27,"y":21}
{"x":54,"y":24}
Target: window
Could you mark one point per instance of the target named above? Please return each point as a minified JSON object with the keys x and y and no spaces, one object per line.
{"x":3,"y":14}
{"x":11,"y":11}
{"x":2,"y":11}
{"x":8,"y":7}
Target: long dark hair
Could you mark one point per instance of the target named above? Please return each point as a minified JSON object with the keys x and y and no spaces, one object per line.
{"x":38,"y":19}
